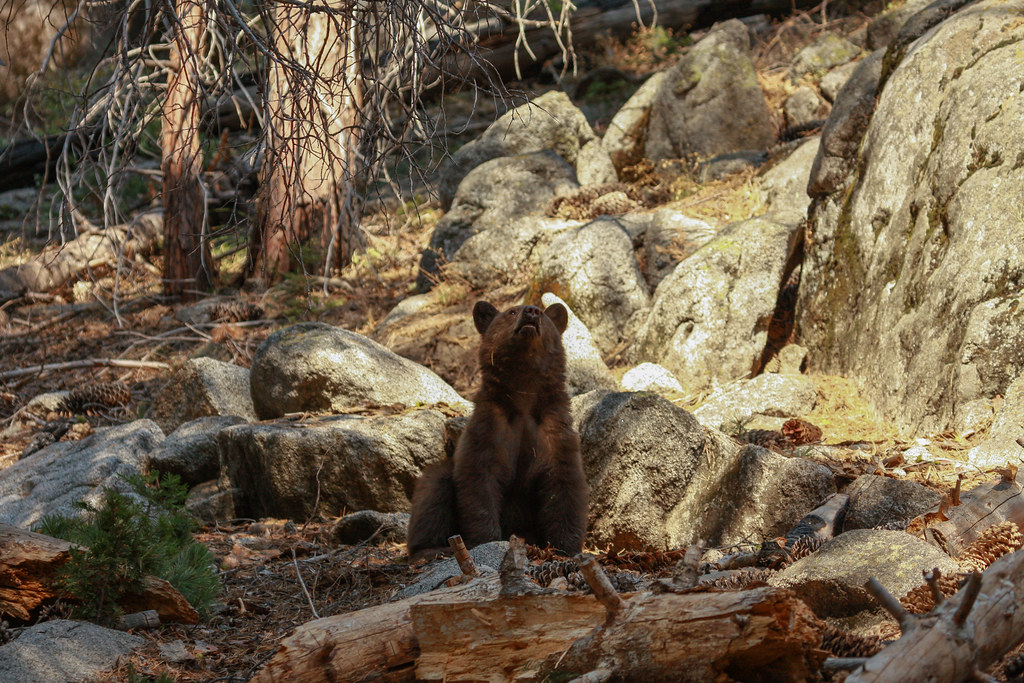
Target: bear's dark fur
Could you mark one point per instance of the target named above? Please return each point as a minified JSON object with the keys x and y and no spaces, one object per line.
{"x":517,"y":467}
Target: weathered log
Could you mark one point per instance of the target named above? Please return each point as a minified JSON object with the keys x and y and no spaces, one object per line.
{"x":703,"y":636}
{"x":965,"y":634}
{"x":980,"y":508}
{"x":589,"y":24}
{"x":29,"y":566}
{"x":58,"y":264}
{"x":376,"y":643}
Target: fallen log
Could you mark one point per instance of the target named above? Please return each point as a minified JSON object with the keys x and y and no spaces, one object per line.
{"x":497,"y":53}
{"x":59,"y":263}
{"x":30,"y":564}
{"x":983,"y":506}
{"x":962,"y":636}
{"x":476,"y":632}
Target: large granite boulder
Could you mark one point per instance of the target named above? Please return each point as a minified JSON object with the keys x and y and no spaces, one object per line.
{"x":912,"y":272}
{"x":594,"y":269}
{"x":550,"y":122}
{"x":710,"y":103}
{"x":709,"y":319}
{"x":657,"y":476}
{"x":315,"y":367}
{"x":203,"y":387}
{"x":492,"y":195}
{"x":330,"y":465}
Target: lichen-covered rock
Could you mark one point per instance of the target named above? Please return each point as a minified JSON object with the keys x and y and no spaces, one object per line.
{"x":651,"y":377}
{"x":710,"y":103}
{"x":913,"y":267}
{"x":203,"y":387}
{"x":492,"y":195}
{"x":804,"y":106}
{"x":594,"y":268}
{"x":64,"y":650}
{"x":877,"y":501}
{"x":709,"y":318}
{"x":785,"y":184}
{"x":324,"y":466}
{"x":627,"y":133}
{"x":318,"y":368}
{"x":768,"y":394}
{"x":671,"y":236}
{"x":819,"y":57}
{"x":831,"y":581}
{"x":53,"y":480}
{"x":550,"y":122}
{"x":594,"y":165}
{"x":1007,"y":427}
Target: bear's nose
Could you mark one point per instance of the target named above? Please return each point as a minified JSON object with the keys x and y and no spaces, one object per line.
{"x":531,"y":314}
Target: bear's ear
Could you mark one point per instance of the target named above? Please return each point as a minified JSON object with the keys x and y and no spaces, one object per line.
{"x":559,"y":316}
{"x":483,"y":314}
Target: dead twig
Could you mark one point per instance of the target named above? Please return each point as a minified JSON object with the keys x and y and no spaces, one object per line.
{"x":86,"y":363}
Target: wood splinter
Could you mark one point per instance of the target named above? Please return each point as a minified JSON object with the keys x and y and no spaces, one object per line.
{"x":599,"y":583}
{"x":462,"y":556}
{"x":512,"y":572}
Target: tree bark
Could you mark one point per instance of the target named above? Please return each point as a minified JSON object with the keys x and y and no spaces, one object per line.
{"x":935,"y":647}
{"x":188,"y":265}
{"x":310,"y":173}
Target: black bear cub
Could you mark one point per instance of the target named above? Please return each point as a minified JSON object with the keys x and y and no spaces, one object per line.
{"x":517,"y":467}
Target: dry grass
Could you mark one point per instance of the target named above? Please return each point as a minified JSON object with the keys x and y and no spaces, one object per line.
{"x":846,"y":417}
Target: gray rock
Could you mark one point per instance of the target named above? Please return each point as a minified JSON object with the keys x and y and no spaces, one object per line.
{"x":884,"y":27}
{"x":365,"y":524}
{"x":53,"y":479}
{"x":819,"y":57}
{"x":656,"y":477}
{"x":845,"y":127}
{"x":61,"y":650}
{"x":912,"y":274}
{"x":767,"y":394}
{"x":876,"y":501}
{"x":550,"y":122}
{"x":489,"y":258}
{"x":835,"y":79}
{"x":210,"y":503}
{"x":831,"y":581}
{"x":651,"y":377}
{"x":191,"y":451}
{"x":710,"y":103}
{"x":315,"y":367}
{"x":344,"y":462}
{"x":595,"y":268}
{"x":804,"y":106}
{"x":671,"y":237}
{"x":487,"y":558}
{"x":627,"y":132}
{"x":493,"y":194}
{"x":1007,"y":426}
{"x":708,"y":319}
{"x":203,"y":387}
{"x":594,"y":166}
{"x":785,"y":184}
{"x":585,"y":369}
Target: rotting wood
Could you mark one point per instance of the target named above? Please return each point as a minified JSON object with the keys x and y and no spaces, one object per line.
{"x":966,"y":634}
{"x":981,"y":507}
{"x":58,"y":264}
{"x":29,"y":565}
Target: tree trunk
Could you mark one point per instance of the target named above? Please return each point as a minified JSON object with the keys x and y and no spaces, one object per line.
{"x":188,"y":265}
{"x":310,"y":170}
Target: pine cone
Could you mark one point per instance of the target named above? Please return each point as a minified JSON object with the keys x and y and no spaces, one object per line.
{"x":88,"y":399}
{"x":235,"y":312}
{"x":845,"y":644}
{"x":800,"y":432}
{"x":612,"y":204}
{"x":921,"y":601}
{"x":994,"y":542}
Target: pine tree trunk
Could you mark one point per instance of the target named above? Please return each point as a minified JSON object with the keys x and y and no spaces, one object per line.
{"x":188,"y":265}
{"x":309,"y":177}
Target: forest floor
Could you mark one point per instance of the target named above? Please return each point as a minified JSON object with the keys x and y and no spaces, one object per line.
{"x":279,"y":574}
